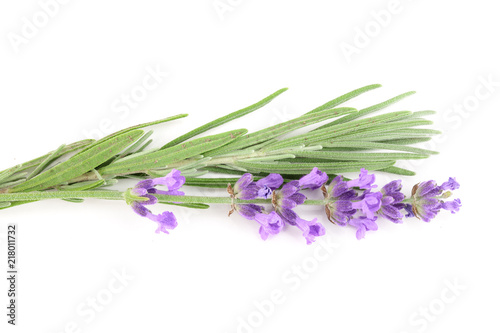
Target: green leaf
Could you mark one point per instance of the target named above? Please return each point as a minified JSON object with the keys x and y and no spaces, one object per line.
{"x":35,"y":162}
{"x":74,"y":200}
{"x":80,"y":163}
{"x":133,"y":129}
{"x":210,"y":182}
{"x":389,"y":135}
{"x":162,"y":158}
{"x":378,"y":145}
{"x":340,"y":130}
{"x":225,"y":119}
{"x":344,"y":98}
{"x":46,"y":162}
{"x":304,"y":168}
{"x":280,"y":129}
{"x":407,"y":141}
{"x":367,"y":110}
{"x":82,"y":186}
{"x":353,"y":156}
{"x":398,"y":171}
{"x":136,"y":145}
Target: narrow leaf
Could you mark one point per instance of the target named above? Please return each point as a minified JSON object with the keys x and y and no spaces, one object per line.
{"x":162,"y":158}
{"x":280,"y":129}
{"x":46,"y":162}
{"x":80,"y":163}
{"x":368,"y":110}
{"x":225,"y":119}
{"x":398,"y":171}
{"x":344,"y":98}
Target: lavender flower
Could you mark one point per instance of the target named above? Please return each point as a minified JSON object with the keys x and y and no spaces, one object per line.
{"x":288,"y":198}
{"x":343,"y":202}
{"x":369,"y":204}
{"x":314,"y":180}
{"x":392,"y":202}
{"x":270,"y":224}
{"x":268,"y":184}
{"x":310,"y":229}
{"x":364,"y":181}
{"x":363,"y":224}
{"x":249,"y":211}
{"x":339,"y":206}
{"x":245,"y":188}
{"x":140,"y":196}
{"x":427,"y":199}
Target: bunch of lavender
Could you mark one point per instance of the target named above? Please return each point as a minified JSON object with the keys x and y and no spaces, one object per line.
{"x":340,"y":139}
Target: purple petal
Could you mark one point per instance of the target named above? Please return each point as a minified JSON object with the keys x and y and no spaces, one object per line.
{"x":166,"y":221}
{"x":363,"y":224}
{"x":290,"y":188}
{"x":370,"y":203}
{"x":249,"y":211}
{"x":453,"y":206}
{"x":243,"y":182}
{"x":248,"y":193}
{"x":264,"y":192}
{"x":310,"y":229}
{"x":314,"y":180}
{"x":146,"y":184}
{"x":273,"y":181}
{"x":270,"y":224}
{"x":451,"y":184}
{"x":173,"y":180}
{"x":288,"y":215}
{"x":299,"y":198}
{"x":173,"y":192}
{"x":287,"y":203}
{"x":409,"y":210}
{"x":365,"y":181}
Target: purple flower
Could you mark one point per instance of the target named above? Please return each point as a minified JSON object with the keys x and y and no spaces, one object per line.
{"x":392,"y":202}
{"x":310,"y":229}
{"x":339,"y":206}
{"x":364,"y":182}
{"x":288,"y":198}
{"x":166,"y":220}
{"x":343,"y":201}
{"x":369,"y":204}
{"x":452,"y":206}
{"x":249,"y":211}
{"x":270,"y":224}
{"x":245,"y":188}
{"x":363,"y":224}
{"x":314,"y":180}
{"x":427,"y":199}
{"x":451,"y":184}
{"x":285,"y":200}
{"x":268,"y":184}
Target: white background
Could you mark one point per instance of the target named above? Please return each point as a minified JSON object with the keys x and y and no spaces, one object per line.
{"x":65,"y":79}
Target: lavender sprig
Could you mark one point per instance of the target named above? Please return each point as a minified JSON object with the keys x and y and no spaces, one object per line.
{"x":124,"y":154}
{"x":273,"y":169}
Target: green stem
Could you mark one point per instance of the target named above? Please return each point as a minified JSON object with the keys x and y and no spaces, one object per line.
{"x":116,"y":195}
{"x":33,"y":196}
